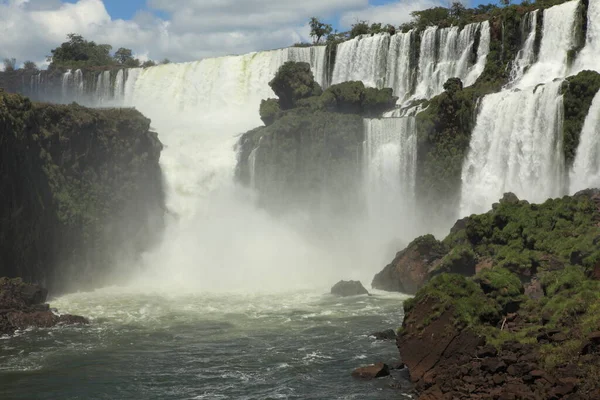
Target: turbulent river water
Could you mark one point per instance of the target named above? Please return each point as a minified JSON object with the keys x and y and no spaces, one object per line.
{"x":152,"y":345}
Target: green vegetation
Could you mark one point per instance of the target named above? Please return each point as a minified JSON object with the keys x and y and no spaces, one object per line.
{"x":319,"y":29}
{"x":578,"y":91}
{"x":309,"y":151}
{"x":76,"y":184}
{"x":80,"y":53}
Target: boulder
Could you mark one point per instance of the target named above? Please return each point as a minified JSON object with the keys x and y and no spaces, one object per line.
{"x":22,"y":306}
{"x":388,"y":334}
{"x":371,"y":371}
{"x":348,"y":288}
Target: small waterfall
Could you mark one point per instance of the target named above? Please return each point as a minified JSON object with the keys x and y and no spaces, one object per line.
{"x":483,"y":50}
{"x":586,"y":167}
{"x":588,"y":58}
{"x":78,"y":83}
{"x":103,"y":88}
{"x":363,"y":58}
{"x":525,"y":56}
{"x":316,"y":56}
{"x":252,"y":167}
{"x":516,"y":146}
{"x":557,"y":39}
{"x":65,"y":85}
{"x":390,"y":157}
{"x":446,"y":53}
{"x":119,"y":86}
{"x":400,"y":69}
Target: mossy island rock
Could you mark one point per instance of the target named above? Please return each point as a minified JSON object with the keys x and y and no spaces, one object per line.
{"x":348,"y":288}
{"x":309,"y":152}
{"x":489,"y":333}
{"x":22,"y":306}
{"x":79,"y":189}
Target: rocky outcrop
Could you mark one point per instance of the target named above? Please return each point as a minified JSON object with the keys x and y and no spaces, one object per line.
{"x":348,"y":288}
{"x":522,"y":327}
{"x":410,"y":269}
{"x":369,"y":372}
{"x":79,"y":188}
{"x":388,"y":334}
{"x":23,"y":305}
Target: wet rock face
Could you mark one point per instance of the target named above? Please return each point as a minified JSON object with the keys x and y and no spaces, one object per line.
{"x":348,"y":288}
{"x":22,"y":306}
{"x":369,"y":372}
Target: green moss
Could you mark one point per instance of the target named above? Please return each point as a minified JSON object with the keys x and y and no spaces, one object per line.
{"x":269,"y":110}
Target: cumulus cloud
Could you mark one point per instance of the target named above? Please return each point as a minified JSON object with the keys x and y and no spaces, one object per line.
{"x":395,"y":13}
{"x":190,"y":30}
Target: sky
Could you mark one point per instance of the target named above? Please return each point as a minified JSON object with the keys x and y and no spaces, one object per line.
{"x":183,"y":30}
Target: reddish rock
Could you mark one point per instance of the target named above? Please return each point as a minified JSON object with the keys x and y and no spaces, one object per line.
{"x":371,"y":371}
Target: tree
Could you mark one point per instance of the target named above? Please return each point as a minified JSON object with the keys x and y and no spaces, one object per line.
{"x":458,"y":9}
{"x":10,"y":64}
{"x":319,"y":29}
{"x":359,"y":28}
{"x":148,"y":63}
{"x":166,"y":61}
{"x":78,"y":52}
{"x":294,"y":81}
{"x":30,"y":66}
{"x":505,"y":2}
{"x":123,"y":56}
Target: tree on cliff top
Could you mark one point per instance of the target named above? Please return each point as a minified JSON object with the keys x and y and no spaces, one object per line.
{"x":319,"y":29}
{"x":78,"y":52}
{"x":9,"y":64}
{"x":294,"y":81}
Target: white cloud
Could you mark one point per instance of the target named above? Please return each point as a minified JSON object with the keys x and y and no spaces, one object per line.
{"x":395,"y":13}
{"x":194,"y":29}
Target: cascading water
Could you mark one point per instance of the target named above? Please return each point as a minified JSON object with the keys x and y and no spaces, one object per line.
{"x":525,"y":56}
{"x":315,"y":56}
{"x":363,"y":58}
{"x":588,"y":58}
{"x":119,"y":86}
{"x":66,"y":78}
{"x":446,"y":53}
{"x":558,"y":38}
{"x":390,"y":158}
{"x":516,"y":146}
{"x":252,"y":167}
{"x":586,"y":167}
{"x":103,"y":88}
{"x":400,"y":68}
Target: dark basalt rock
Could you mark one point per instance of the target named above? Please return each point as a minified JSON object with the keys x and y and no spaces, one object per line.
{"x":369,"y":372}
{"x":348,"y":288}
{"x":388,"y":334}
{"x":21,"y":307}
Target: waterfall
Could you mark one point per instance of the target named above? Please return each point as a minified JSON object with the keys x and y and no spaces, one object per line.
{"x":79,"y":84}
{"x":390,"y":158}
{"x":316,"y":56}
{"x":252,"y":167}
{"x":483,"y":50}
{"x":586,"y":168}
{"x":400,"y":68}
{"x":103,"y":88}
{"x":119,"y":86}
{"x":557,"y":39}
{"x":516,"y":146}
{"x":65,"y":84}
{"x":588,"y":58}
{"x":363,"y":58}
{"x":446,"y":53}
{"x":525,"y":56}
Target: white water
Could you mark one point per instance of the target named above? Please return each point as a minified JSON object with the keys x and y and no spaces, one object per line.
{"x":315,"y":56}
{"x":445,"y":53}
{"x":65,"y":84}
{"x":516,"y":146}
{"x":557,"y":39}
{"x":390,"y":157}
{"x":586,"y":167}
{"x":363,"y":58}
{"x":525,"y":56}
{"x":400,"y":71}
{"x":588,"y":58}
{"x":103,"y":94}
{"x":217,"y":239}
